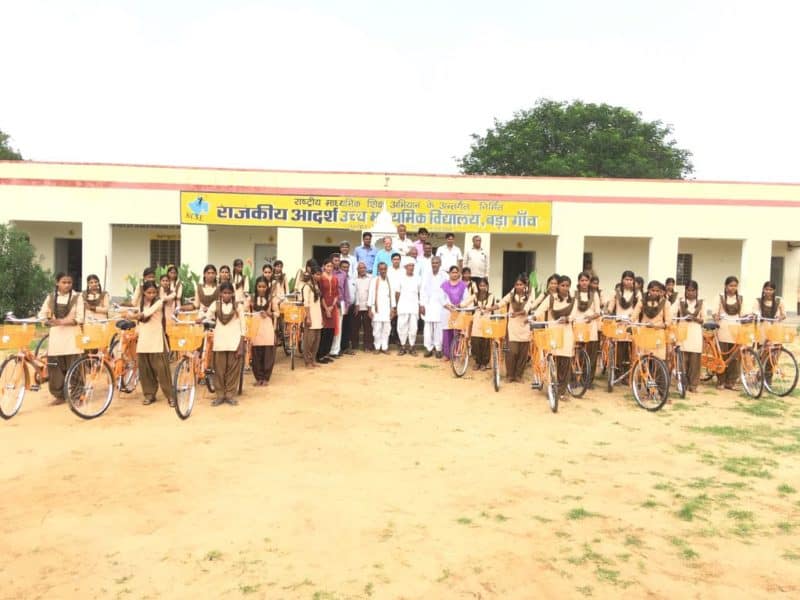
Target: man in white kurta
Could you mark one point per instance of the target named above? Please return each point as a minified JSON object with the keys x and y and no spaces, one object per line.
{"x":381,"y":309}
{"x":432,"y":300}
{"x":408,"y":304}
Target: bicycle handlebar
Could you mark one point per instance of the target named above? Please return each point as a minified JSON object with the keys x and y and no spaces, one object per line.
{"x":12,"y":319}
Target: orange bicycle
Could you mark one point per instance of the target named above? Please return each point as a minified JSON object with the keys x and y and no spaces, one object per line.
{"x":580,"y":372}
{"x":780,"y":365}
{"x":186,"y":338}
{"x":676,"y":365}
{"x":91,"y":379}
{"x":545,"y":339}
{"x":294,"y":315}
{"x":15,"y":371}
{"x":714,"y":361}
{"x":461,"y":321}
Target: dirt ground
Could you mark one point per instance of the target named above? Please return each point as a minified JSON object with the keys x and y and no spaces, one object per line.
{"x":385,"y":477}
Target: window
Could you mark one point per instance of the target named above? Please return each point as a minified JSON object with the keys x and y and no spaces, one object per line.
{"x":587,"y":261}
{"x":165,"y":252}
{"x":683,"y":272}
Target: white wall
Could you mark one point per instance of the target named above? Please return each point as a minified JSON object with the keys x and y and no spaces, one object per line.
{"x":612,"y":256}
{"x":228,"y":243}
{"x":43,"y":235}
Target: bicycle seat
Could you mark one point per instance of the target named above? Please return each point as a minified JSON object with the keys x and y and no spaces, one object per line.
{"x":208,"y":326}
{"x":538,"y":325}
{"x":125,"y":325}
{"x":711,"y":326}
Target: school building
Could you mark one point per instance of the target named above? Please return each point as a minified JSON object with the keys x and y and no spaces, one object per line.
{"x":113,"y":220}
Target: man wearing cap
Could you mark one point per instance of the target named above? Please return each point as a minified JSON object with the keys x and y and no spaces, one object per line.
{"x":366,"y":251}
{"x":344,"y":252}
{"x":384,"y":255}
{"x":407,"y":298}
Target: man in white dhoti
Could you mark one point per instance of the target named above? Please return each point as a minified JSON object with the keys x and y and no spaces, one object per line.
{"x":432,"y":300}
{"x":407,"y":295}
{"x":382,"y":305}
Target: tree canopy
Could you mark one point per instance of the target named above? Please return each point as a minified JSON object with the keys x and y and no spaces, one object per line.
{"x":23,"y":282}
{"x":560,"y":139}
{"x":6,"y":151}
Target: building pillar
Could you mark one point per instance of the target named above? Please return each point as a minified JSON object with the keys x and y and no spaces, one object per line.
{"x":290,"y":249}
{"x":96,"y":255}
{"x":755,"y":270}
{"x":569,"y":256}
{"x":663,"y":258}
{"x":194,"y":247}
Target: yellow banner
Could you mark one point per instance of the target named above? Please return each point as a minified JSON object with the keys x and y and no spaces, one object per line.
{"x":345,"y":212}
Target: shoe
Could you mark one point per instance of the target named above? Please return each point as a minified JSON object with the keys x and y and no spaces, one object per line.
{"x":217,"y":401}
{"x":349,"y":352}
{"x":233,"y":402}
{"x":333,"y":356}
{"x":428,"y":353}
{"x":148,"y":401}
{"x":401,"y":352}
{"x":477,"y":367}
{"x":383,"y":351}
{"x":692,"y":390}
{"x":438,"y":354}
{"x":376,"y":351}
{"x":57,"y":401}
{"x":325,"y":360}
{"x":412,"y":352}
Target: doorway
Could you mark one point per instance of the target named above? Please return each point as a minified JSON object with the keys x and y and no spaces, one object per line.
{"x":776,"y":274}
{"x":320,"y":253}
{"x":514,"y":263}
{"x":69,"y":259}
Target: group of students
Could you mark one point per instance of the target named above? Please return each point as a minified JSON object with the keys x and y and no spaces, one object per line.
{"x":346,"y":304}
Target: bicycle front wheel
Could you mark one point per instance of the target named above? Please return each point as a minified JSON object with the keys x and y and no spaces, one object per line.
{"x":680,"y":373}
{"x":780,"y":371}
{"x":552,"y":383}
{"x":185,"y":386}
{"x":13,"y":382}
{"x":496,"y":365}
{"x":650,"y":383}
{"x":89,"y":387}
{"x":611,"y":367}
{"x":580,"y":373}
{"x":751,"y":373}
{"x":459,"y":354}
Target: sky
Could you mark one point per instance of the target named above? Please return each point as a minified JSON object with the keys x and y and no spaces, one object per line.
{"x":390,"y":86}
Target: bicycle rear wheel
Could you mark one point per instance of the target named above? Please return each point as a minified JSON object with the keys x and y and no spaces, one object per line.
{"x":459,"y":354}
{"x":650,"y":383}
{"x":751,"y":373}
{"x":184,"y":384}
{"x":89,"y":387}
{"x":13,"y":382}
{"x":242,"y":369}
{"x":127,"y":382}
{"x":780,"y":371}
{"x":611,"y":367}
{"x":286,"y":340}
{"x":495,"y":365}
{"x":552,"y":383}
{"x":680,"y":373}
{"x":580,"y":373}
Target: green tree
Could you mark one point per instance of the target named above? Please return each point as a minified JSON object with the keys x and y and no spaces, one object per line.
{"x":6,"y":151}
{"x":23,"y":282}
{"x":560,"y":139}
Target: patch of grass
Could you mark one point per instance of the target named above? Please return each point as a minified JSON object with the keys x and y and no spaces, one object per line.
{"x":701,"y":483}
{"x":764,"y":407}
{"x":323,"y":595}
{"x":633,"y":540}
{"x":685,"y":551}
{"x":791,"y":555}
{"x":586,"y":590}
{"x":122,"y":580}
{"x":213,"y":555}
{"x":745,"y":525}
{"x":249,"y":589}
{"x":785,"y":526}
{"x":749,"y":466}
{"x":664,"y":486}
{"x":444,"y":576}
{"x":388,"y":532}
{"x":597,"y":411}
{"x":785,"y":488}
{"x":542,"y":519}
{"x":580,"y":513}
{"x":369,"y":589}
{"x":296,"y":586}
{"x":555,"y":473}
{"x":500,"y":518}
{"x":609,"y":576}
{"x":691,"y":507}
{"x":464,"y":521}
{"x":563,"y":534}
{"x":649,"y":503}
{"x":741,"y":515}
